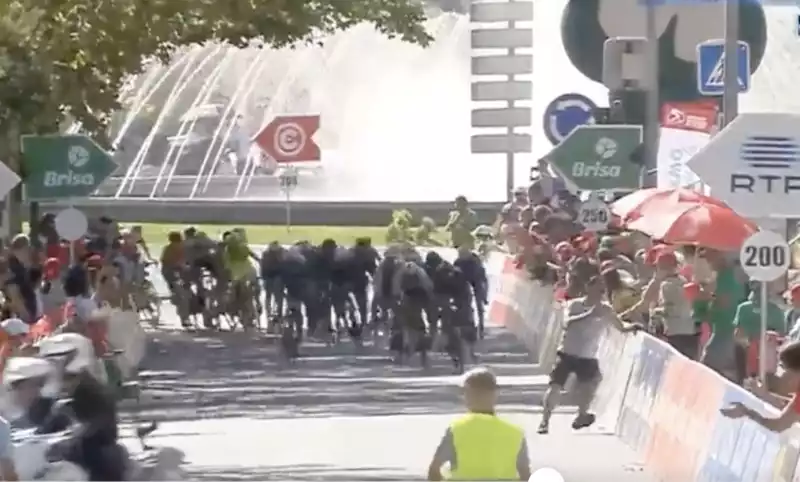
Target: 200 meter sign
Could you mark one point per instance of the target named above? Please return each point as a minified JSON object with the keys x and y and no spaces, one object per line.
{"x":765,"y":256}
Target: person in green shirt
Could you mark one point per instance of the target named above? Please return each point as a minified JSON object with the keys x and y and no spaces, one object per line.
{"x":399,"y":230}
{"x":727,"y":293}
{"x":423,"y":235}
{"x":747,"y":327}
{"x":461,"y":222}
{"x":748,"y":318}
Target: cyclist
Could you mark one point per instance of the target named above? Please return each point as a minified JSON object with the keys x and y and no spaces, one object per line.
{"x":236,"y":258}
{"x":413,"y":290}
{"x":173,"y":260}
{"x":383,"y":299}
{"x":454,"y":300}
{"x":137,"y":237}
{"x":270,"y":264}
{"x":365,"y":265}
{"x":423,"y":236}
{"x":473,"y":270}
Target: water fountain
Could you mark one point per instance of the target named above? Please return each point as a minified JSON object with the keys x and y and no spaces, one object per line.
{"x":395,"y":117}
{"x":388,"y":109}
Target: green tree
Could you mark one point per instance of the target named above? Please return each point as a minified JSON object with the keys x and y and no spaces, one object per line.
{"x":63,"y":58}
{"x":65,"y":61}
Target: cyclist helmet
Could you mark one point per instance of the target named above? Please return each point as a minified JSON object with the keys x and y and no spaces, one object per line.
{"x":433,"y":259}
{"x":241,"y":233}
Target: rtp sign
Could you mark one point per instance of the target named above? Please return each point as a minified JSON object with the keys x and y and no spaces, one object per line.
{"x":711,"y":67}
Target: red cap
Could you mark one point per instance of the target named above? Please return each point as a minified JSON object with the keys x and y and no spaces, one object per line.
{"x":652,"y":255}
{"x":52,"y":268}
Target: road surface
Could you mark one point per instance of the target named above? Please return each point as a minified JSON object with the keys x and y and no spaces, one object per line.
{"x":337,"y":414}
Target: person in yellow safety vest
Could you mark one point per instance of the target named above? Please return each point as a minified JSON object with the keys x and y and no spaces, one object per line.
{"x":480,"y":445}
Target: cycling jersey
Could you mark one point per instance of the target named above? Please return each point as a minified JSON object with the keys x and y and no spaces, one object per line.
{"x":237,"y":259}
{"x":173,"y":255}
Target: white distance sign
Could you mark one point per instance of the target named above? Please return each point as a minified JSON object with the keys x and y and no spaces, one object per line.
{"x":765,"y":256}
{"x":594,"y":215}
{"x":71,"y":224}
{"x":288,"y":178}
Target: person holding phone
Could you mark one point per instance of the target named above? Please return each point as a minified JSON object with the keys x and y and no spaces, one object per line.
{"x":789,"y":357}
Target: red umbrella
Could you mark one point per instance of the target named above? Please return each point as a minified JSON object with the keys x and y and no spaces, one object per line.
{"x":707,"y":225}
{"x":632,"y":206}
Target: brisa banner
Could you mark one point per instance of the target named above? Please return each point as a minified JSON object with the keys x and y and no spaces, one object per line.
{"x":659,"y":402}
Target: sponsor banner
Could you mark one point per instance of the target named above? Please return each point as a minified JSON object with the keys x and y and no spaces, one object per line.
{"x":548,"y":350}
{"x":682,"y":418}
{"x":648,"y":366}
{"x":690,"y":116}
{"x":685,"y":129}
{"x":616,"y":355}
{"x":675,"y":148}
{"x":523,"y":306}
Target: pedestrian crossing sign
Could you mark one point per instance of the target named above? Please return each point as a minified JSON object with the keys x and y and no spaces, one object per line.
{"x":711,"y":67}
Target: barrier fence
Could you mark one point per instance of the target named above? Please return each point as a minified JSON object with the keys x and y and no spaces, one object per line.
{"x":662,"y":404}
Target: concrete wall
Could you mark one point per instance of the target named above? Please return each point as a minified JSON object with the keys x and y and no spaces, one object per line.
{"x":256,"y":212}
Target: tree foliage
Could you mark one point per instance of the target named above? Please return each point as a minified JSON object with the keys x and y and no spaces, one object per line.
{"x":69,"y":59}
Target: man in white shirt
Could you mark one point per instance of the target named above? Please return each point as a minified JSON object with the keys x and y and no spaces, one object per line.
{"x":585,"y":322}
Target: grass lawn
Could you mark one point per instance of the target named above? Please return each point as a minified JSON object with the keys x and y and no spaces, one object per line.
{"x":343,"y":235}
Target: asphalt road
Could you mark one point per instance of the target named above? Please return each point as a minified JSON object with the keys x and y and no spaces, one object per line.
{"x":238,"y":413}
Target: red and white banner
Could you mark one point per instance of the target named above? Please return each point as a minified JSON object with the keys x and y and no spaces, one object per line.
{"x":685,"y":129}
{"x":698,"y":116}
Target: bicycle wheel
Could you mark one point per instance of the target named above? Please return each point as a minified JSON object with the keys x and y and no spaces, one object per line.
{"x":153,"y":305}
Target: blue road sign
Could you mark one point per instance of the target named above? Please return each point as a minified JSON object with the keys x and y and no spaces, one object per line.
{"x":564,"y":114}
{"x":711,"y":67}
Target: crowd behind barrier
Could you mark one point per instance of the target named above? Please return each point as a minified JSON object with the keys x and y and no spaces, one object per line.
{"x":660,"y":403}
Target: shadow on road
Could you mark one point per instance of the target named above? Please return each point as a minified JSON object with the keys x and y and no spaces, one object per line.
{"x":302,"y":472}
{"x":194,"y":376}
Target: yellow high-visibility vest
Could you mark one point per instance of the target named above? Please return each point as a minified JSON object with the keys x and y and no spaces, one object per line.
{"x":486,"y":448}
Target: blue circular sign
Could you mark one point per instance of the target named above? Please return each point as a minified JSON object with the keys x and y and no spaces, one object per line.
{"x":565,"y":113}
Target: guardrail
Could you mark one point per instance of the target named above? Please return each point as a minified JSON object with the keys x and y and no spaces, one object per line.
{"x":662,"y":404}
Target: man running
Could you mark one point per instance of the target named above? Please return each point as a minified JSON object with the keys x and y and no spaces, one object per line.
{"x":586,"y":319}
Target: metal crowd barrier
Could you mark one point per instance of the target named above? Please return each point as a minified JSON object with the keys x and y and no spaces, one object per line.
{"x":662,"y":404}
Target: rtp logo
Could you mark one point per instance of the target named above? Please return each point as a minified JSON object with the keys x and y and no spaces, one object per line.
{"x":770,"y":162}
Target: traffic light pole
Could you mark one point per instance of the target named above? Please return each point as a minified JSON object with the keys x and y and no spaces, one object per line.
{"x":730,"y":98}
{"x":652,"y":122}
{"x":510,"y":156}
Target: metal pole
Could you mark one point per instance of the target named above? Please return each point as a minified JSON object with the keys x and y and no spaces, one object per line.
{"x":288,"y":210}
{"x":762,"y":342}
{"x":730,"y":98}
{"x":510,"y":132}
{"x":652,"y":122}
